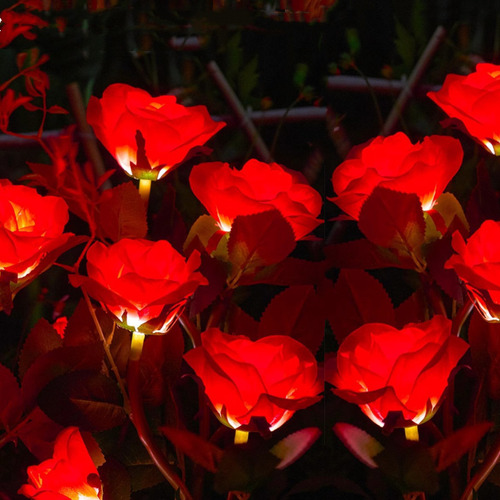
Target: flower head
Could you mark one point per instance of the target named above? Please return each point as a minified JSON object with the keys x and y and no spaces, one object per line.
{"x":148,"y":136}
{"x":474,"y":100}
{"x":244,"y":380}
{"x":143,"y":284}
{"x":477,"y":264}
{"x":399,"y":373}
{"x":396,"y":163}
{"x":69,"y":475}
{"x":227,"y":192}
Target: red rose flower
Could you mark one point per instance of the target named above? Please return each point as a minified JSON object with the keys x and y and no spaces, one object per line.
{"x":267,"y":379}
{"x":384,"y":370}
{"x":226,"y":193}
{"x":394,"y":162}
{"x":31,"y":226}
{"x":477,"y":264}
{"x":474,"y":100}
{"x":147,"y":135}
{"x":143,"y":284}
{"x":69,"y":475}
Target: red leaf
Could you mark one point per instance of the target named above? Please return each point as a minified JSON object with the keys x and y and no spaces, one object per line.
{"x":298,"y":311}
{"x":394,"y":220}
{"x":450,"y":450}
{"x":57,"y":362}
{"x":122,"y":213}
{"x":411,"y":310}
{"x":260,"y":240}
{"x":10,"y":405}
{"x":357,"y":298}
{"x":363,"y":254}
{"x":39,"y":434}
{"x":41,"y":339}
{"x":200,"y":451}
{"x":241,"y":323}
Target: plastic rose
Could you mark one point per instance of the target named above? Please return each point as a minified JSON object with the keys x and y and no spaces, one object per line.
{"x":31,"y":226}
{"x":69,"y":475}
{"x":227,"y":193}
{"x":398,"y":375}
{"x":147,"y":135}
{"x":394,"y":162}
{"x":251,"y":384}
{"x":143,"y":284}
{"x":474,"y":100}
{"x":477,"y":264}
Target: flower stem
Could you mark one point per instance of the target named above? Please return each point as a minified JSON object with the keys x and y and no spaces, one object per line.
{"x":240,"y":437}
{"x":461,"y":317}
{"x":483,"y":471}
{"x":190,"y":329}
{"x":144,"y":190}
{"x":411,"y":433}
{"x":138,"y":418}
{"x":109,"y":356}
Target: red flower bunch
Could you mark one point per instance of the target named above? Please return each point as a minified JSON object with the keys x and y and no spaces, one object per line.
{"x":227,"y":193}
{"x":31,"y":226}
{"x":69,"y":475}
{"x":247,"y":382}
{"x":147,"y":135}
{"x":400,"y":372}
{"x":474,"y":100}
{"x":477,"y":264}
{"x":143,"y":284}
{"x":396,"y":163}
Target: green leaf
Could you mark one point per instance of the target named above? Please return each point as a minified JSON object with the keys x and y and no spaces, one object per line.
{"x":363,"y":446}
{"x":405,"y":46}
{"x":248,"y":78}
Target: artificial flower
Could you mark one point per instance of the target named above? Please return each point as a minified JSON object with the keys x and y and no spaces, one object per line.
{"x":397,"y":377}
{"x":227,"y":193}
{"x":474,"y":100}
{"x":394,"y":162}
{"x":255,"y":383}
{"x":148,"y":136}
{"x":143,"y":284}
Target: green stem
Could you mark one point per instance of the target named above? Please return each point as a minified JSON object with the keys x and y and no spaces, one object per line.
{"x":138,"y":418}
